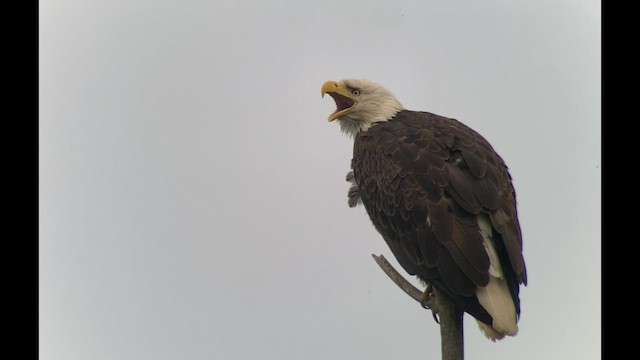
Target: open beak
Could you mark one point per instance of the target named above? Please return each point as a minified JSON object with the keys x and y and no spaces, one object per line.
{"x":341,"y":95}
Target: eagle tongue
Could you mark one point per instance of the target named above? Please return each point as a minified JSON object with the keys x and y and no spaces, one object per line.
{"x":342,"y":102}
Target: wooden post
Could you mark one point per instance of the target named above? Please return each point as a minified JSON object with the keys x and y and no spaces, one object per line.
{"x":451,"y":328}
{"x":451,"y":325}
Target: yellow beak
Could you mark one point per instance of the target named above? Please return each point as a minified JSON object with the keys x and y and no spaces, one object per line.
{"x":341,"y":94}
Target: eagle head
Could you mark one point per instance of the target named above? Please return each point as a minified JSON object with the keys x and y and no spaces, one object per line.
{"x":360,"y":103}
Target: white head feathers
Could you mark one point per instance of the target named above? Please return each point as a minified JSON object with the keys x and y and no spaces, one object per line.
{"x":373,"y":103}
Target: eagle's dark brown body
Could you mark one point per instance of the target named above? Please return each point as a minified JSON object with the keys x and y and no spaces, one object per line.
{"x":425,"y":180}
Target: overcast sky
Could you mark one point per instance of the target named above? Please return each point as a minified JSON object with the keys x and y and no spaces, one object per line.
{"x":192,"y":194}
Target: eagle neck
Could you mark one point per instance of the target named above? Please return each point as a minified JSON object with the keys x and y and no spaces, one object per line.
{"x":352,"y":126}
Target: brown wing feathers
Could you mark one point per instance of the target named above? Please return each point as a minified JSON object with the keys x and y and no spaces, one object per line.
{"x":422,"y":179}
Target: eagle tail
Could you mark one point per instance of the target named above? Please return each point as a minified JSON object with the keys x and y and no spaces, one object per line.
{"x":495,"y":297}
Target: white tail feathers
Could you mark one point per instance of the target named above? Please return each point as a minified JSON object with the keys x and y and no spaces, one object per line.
{"x":495,"y":297}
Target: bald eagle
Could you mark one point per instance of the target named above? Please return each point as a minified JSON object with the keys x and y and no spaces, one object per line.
{"x":441,"y":198}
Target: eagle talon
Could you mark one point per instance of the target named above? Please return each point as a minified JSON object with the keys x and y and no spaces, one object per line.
{"x":428,"y":301}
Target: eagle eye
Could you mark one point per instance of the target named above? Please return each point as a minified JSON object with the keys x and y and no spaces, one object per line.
{"x":355,"y":92}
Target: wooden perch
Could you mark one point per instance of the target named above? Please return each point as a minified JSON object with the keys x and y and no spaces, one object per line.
{"x":394,"y":275}
{"x":451,"y":330}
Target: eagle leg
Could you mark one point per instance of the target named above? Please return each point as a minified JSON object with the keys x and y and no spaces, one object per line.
{"x":429,"y":302}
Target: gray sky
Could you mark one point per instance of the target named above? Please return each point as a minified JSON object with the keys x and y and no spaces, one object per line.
{"x":192,"y":194}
